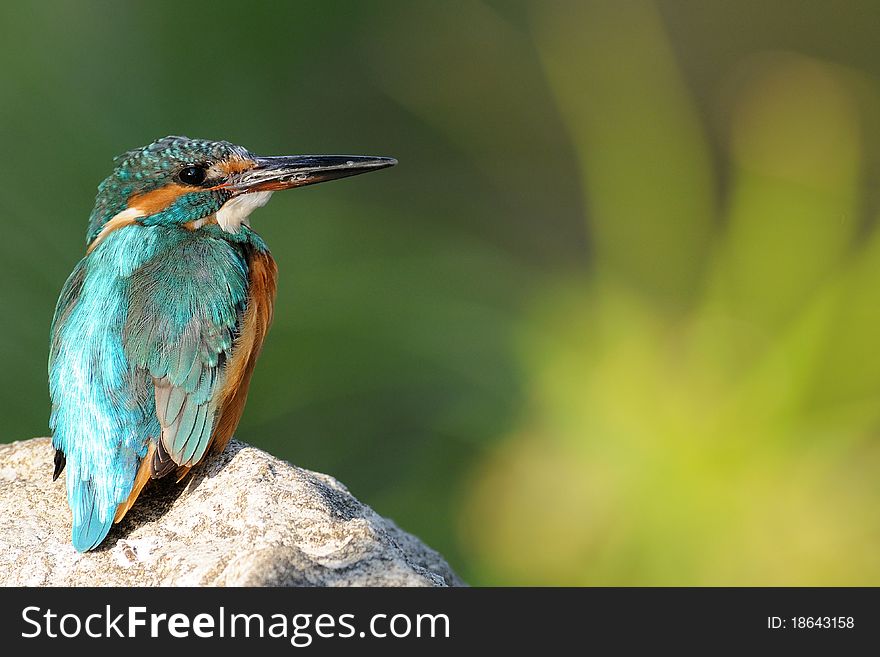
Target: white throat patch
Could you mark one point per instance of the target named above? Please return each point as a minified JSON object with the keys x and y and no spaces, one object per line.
{"x":235,"y":212}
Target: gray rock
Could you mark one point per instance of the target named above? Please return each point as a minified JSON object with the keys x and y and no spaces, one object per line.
{"x":244,"y":518}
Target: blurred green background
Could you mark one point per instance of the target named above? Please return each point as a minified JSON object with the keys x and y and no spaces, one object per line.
{"x":613,"y":319}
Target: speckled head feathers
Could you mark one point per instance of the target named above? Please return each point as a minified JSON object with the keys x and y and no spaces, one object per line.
{"x":155,"y":166}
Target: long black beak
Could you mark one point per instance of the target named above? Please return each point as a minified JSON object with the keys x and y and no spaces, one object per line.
{"x":288,"y":171}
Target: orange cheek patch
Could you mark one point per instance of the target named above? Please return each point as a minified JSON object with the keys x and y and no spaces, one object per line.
{"x":236,"y":165}
{"x":157,"y":200}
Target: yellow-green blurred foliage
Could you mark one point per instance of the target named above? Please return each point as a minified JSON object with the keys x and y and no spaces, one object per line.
{"x":611,"y":321}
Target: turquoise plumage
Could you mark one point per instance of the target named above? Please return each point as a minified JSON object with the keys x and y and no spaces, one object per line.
{"x":158,"y":327}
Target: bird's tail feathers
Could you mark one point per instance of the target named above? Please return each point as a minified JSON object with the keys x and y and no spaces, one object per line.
{"x":89,"y":529}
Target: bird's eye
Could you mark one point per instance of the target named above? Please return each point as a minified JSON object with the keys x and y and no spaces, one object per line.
{"x":192,"y":175}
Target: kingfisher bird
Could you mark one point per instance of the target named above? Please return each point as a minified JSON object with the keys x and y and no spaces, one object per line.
{"x":157,"y":329}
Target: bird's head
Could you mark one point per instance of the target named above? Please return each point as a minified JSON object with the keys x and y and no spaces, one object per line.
{"x":177,"y":181}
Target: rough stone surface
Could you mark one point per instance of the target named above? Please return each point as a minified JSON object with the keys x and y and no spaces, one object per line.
{"x":244,"y":518}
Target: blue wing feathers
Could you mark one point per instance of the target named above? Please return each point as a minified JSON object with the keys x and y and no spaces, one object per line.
{"x":192,"y":318}
{"x":176,"y":398}
{"x":139,"y":340}
{"x":183,"y":430}
{"x":97,"y":418}
{"x":197,"y":437}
